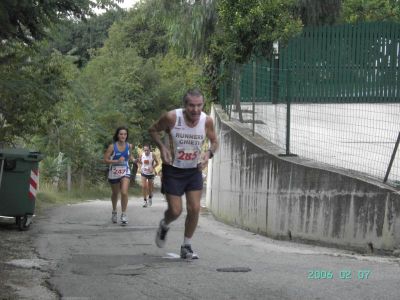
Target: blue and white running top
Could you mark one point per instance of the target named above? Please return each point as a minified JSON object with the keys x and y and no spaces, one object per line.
{"x":120,"y":169}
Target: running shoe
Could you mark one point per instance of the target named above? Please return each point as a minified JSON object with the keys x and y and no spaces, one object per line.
{"x":150,"y":201}
{"x":145,"y":203}
{"x":124,"y":219}
{"x":187,"y":252}
{"x":114,"y":217}
{"x":161,"y":236}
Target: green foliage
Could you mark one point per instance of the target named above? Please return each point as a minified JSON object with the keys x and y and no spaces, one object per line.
{"x":50,"y":196}
{"x":26,"y":20}
{"x":319,"y":12}
{"x":113,"y":80}
{"x":132,"y":67}
{"x":126,"y":89}
{"x":66,"y":127}
{"x":190,"y":25}
{"x":251,"y":27}
{"x":77,"y":39}
{"x":31,"y":84}
{"x":371,"y":10}
{"x":53,"y":167}
{"x":177,"y":75}
{"x":33,"y":77}
{"x":143,"y":30}
{"x":133,"y":79}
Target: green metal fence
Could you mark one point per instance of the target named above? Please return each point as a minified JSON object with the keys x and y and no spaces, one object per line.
{"x":331,"y":96}
{"x":266,"y":76}
{"x":344,"y":63}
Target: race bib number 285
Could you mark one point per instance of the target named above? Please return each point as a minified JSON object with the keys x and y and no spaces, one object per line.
{"x":186,"y":157}
{"x":188,"y":154}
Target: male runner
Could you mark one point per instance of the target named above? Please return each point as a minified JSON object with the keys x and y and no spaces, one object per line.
{"x":183,"y":162}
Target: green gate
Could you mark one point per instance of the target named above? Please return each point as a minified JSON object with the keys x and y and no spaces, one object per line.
{"x":328,"y":64}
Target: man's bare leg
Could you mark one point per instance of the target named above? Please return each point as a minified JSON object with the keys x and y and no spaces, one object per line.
{"x":192,"y":218}
{"x":172,"y":213}
{"x":174,"y":209}
{"x":193,"y":210}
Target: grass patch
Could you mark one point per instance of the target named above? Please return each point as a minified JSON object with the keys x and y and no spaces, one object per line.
{"x":49,"y":196}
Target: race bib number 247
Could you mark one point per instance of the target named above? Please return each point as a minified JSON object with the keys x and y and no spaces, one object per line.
{"x":117,"y":171}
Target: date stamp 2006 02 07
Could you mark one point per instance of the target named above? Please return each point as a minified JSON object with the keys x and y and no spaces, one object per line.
{"x":342,"y":274}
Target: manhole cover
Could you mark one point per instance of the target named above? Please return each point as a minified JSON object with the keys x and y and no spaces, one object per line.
{"x":234,"y":269}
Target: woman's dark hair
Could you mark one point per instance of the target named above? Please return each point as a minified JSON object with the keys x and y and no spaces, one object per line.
{"x":115,"y":137}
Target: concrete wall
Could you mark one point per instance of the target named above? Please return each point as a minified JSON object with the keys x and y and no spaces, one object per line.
{"x":251,"y":186}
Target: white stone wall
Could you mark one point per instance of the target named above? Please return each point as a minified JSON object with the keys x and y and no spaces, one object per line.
{"x":251,"y":186}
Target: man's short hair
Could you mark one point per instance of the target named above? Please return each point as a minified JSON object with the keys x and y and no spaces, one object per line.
{"x":195,"y":92}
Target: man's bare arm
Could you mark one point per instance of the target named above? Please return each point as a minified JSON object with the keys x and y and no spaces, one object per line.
{"x":166,"y":122}
{"x":211,"y":135}
{"x":160,"y":125}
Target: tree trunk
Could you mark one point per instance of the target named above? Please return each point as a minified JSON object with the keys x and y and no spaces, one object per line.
{"x":69,"y":178}
{"x":82,"y":181}
{"x":237,"y":92}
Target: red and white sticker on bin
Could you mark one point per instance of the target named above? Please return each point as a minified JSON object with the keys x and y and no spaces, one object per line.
{"x":33,"y":184}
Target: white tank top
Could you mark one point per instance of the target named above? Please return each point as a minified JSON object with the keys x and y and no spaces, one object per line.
{"x":187,"y":141}
{"x":147,"y":163}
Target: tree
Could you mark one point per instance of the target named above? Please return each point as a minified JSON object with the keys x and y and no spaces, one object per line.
{"x":70,"y":134}
{"x":80,"y":38}
{"x":26,"y":20}
{"x":319,"y":12}
{"x":30,"y":85}
{"x":134,"y":77}
{"x":32,"y":80}
{"x":125,"y":89}
{"x":371,"y":10}
{"x":143,"y":29}
{"x":190,"y":25}
{"x":251,"y":27}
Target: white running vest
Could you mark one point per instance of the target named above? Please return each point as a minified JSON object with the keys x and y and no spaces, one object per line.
{"x":187,"y":141}
{"x":147,"y":163}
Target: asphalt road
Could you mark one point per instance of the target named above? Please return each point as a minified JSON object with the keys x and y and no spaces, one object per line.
{"x":75,"y":252}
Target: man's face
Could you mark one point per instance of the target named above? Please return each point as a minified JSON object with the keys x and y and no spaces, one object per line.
{"x":194,"y":107}
{"x":146,"y":150}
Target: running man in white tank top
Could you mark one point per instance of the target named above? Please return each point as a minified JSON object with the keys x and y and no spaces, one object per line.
{"x":183,"y":163}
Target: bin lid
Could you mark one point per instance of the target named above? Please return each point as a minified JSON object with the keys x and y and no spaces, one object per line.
{"x":21,"y":153}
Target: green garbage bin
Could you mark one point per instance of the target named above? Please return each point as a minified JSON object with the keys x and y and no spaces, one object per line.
{"x":19,"y":179}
